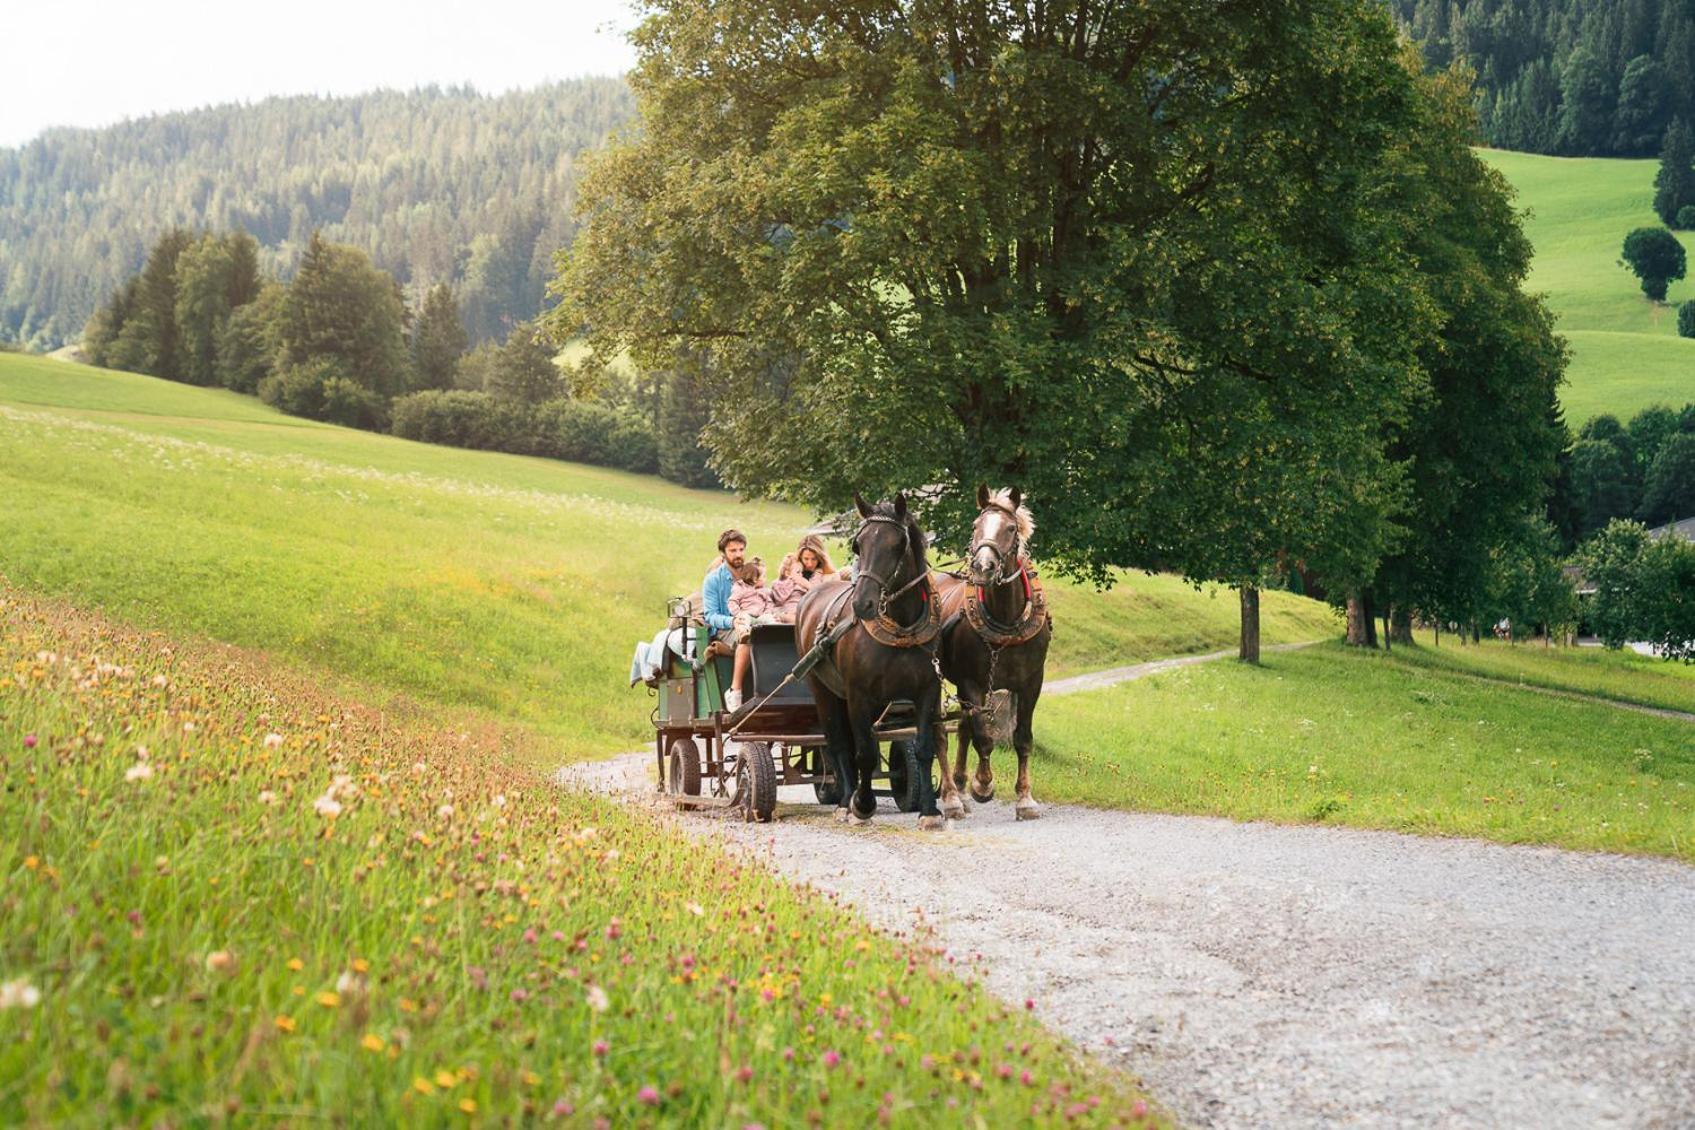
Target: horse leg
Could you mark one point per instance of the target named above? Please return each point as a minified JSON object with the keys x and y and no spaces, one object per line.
{"x":838,"y":745}
{"x":1026,"y":807}
{"x":930,"y":818}
{"x":983,"y":784}
{"x":865,"y":746}
{"x":953,"y":781}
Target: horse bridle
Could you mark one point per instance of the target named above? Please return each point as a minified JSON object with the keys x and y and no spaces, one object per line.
{"x":1006,"y":577}
{"x":905,"y":550}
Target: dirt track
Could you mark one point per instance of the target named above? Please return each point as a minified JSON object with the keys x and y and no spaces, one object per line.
{"x":1259,"y":975}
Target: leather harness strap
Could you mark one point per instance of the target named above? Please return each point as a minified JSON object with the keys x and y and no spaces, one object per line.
{"x":998,"y":635}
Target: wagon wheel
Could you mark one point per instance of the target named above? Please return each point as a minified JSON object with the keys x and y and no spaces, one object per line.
{"x":756,"y":782}
{"x":903,"y":774}
{"x":682,"y":768}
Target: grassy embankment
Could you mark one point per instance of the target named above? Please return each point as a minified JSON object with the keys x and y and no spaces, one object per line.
{"x":511,"y":585}
{"x":230,"y":894}
{"x":1410,"y":741}
{"x":1626,"y":353}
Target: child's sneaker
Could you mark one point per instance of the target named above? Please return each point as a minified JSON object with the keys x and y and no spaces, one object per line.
{"x":732,"y":700}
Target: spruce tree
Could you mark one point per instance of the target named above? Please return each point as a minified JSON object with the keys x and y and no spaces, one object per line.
{"x":438,"y":339}
{"x":1674,"y":185}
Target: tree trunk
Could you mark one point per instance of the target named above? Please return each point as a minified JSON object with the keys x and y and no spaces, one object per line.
{"x":1249,"y":650}
{"x":1370,"y":618}
{"x":1400,"y":625}
{"x":1357,"y":622}
{"x":1438,"y":630}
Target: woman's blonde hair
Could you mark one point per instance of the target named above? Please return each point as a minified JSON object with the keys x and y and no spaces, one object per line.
{"x":816,"y":545}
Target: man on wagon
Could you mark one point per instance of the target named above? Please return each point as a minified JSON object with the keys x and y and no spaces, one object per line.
{"x":715,"y":601}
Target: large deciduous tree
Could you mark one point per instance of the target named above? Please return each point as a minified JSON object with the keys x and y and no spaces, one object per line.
{"x":1656,"y":257}
{"x":1149,"y":262}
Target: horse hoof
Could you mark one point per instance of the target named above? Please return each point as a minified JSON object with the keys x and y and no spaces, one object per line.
{"x":841,"y":816}
{"x":855,"y":820}
{"x":982,"y":798}
{"x":954,"y":809}
{"x":932,"y":823}
{"x":1028,"y":810}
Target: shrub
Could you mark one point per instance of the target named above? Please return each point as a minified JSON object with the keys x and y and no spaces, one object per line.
{"x":1686,"y":319}
{"x":320,"y":390}
{"x":587,"y":431}
{"x":466,"y":419}
{"x":1686,"y":217}
{"x":1656,"y":257}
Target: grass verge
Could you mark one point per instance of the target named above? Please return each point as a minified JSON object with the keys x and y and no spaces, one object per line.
{"x":229,"y":894}
{"x":1377,"y":741}
{"x":1622,"y":676}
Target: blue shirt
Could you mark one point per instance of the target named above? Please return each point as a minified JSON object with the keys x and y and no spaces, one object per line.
{"x":715,"y":595}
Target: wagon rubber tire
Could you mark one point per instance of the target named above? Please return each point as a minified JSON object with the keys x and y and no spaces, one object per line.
{"x":756,"y":782}
{"x":903,"y":774}
{"x":682,"y":768}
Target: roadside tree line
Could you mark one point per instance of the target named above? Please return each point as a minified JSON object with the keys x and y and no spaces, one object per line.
{"x":340,"y":343}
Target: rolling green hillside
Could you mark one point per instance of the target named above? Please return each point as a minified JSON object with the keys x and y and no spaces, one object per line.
{"x":511,"y":585}
{"x":1626,"y":353}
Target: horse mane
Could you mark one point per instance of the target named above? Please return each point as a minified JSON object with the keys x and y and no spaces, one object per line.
{"x":1026,"y":521}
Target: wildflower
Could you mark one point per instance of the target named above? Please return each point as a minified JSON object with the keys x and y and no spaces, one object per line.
{"x":500,"y":800}
{"x":600,"y":1049}
{"x":140,"y":771}
{"x":29,"y":741}
{"x":422,"y":1085}
{"x":296,"y":964}
{"x":329,"y":999}
{"x":445,"y":811}
{"x":285,"y":1023}
{"x":597,"y":998}
{"x":327,"y":805}
{"x":161,"y":681}
{"x":372,"y":1042}
{"x":188,"y":727}
{"x":469,"y":1106}
{"x":563,"y":1109}
{"x":648,"y":1096}
{"x":519,"y":996}
{"x":19,"y":994}
{"x":220,"y":961}
{"x":831,"y":1058}
{"x":266,"y":796}
{"x":273,"y":741}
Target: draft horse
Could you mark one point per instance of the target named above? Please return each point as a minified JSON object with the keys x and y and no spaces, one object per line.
{"x":996,"y":636}
{"x":887,"y":655}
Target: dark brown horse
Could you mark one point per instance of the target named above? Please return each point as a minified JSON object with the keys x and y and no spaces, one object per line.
{"x":996,"y":639}
{"x":887,"y":655}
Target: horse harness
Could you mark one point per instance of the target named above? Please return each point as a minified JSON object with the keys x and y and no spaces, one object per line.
{"x":998,"y":635}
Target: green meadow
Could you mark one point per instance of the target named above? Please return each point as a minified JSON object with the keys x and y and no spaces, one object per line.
{"x":1409,"y":741}
{"x":1626,"y":354}
{"x":511,"y":585}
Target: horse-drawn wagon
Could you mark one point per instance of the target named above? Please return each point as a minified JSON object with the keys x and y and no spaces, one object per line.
{"x":710,"y":757}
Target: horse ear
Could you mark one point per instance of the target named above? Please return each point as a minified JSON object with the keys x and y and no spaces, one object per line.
{"x":900,"y":505}
{"x":982,"y":496}
{"x":864,"y":507}
{"x":1017,"y":497}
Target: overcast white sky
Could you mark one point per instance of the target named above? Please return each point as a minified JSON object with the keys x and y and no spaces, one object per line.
{"x":86,"y":63}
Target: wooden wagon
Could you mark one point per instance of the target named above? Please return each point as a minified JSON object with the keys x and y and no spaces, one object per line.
{"x":708,"y":757}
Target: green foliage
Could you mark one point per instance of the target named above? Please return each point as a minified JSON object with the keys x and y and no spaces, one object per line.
{"x":1656,"y":257}
{"x":1481,"y":447}
{"x":1566,"y":76}
{"x":477,"y":420}
{"x":1527,"y":582}
{"x":1686,"y":218}
{"x":247,"y":345}
{"x":1100,"y":266}
{"x":216,"y":276}
{"x":339,"y":307}
{"x":1686,"y":319}
{"x":684,"y":413}
{"x":1602,"y":483}
{"x":1674,"y":183}
{"x":1611,"y":562}
{"x":523,"y":370}
{"x":1666,"y":587}
{"x":1668,"y":490}
{"x":586,"y":431}
{"x":416,"y":177}
{"x":438,"y":339}
{"x":321,"y":389}
{"x":149,"y":340}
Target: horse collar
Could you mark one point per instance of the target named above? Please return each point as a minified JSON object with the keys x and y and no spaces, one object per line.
{"x":996,"y":634}
{"x":927,"y":627}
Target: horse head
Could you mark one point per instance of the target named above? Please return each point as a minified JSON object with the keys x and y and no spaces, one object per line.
{"x":888,"y":554}
{"x":998,"y":536}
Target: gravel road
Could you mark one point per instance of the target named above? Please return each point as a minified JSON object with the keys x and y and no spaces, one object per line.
{"x":1256,"y":975}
